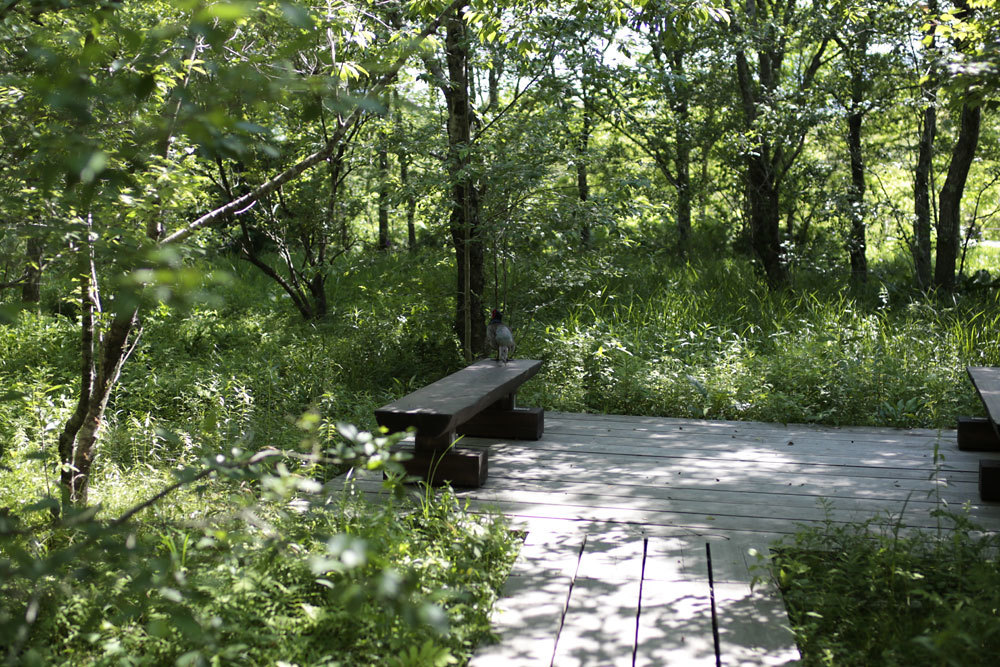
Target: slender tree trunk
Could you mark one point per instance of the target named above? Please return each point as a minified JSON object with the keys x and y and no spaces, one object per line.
{"x":383,"y":199}
{"x":78,"y":439}
{"x":464,"y":219}
{"x":67,"y":438}
{"x":682,"y":158}
{"x":494,"y":80}
{"x":857,"y":243}
{"x":761,"y":162}
{"x":922,"y":198}
{"x":115,"y":348}
{"x":949,"y":207}
{"x":921,"y":249}
{"x":582,"y":160}
{"x":31,"y":289}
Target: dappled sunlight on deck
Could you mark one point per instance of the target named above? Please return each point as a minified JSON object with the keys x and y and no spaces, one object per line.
{"x":641,"y":531}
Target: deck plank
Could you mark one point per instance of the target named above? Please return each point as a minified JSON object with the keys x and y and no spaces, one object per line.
{"x":675,"y":622}
{"x":753,"y":622}
{"x":675,"y":627}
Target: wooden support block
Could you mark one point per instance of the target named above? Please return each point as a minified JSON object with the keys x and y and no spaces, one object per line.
{"x":517,"y":424}
{"x":977,"y":434}
{"x":989,"y":479}
{"x":423,"y":443}
{"x":460,"y":466}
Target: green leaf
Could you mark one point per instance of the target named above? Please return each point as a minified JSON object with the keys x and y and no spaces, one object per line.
{"x":227,"y":11}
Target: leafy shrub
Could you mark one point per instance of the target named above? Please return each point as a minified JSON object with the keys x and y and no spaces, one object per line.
{"x":283,"y":570}
{"x":873,"y":593}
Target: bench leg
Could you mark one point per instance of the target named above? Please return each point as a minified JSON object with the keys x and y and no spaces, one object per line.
{"x":989,"y":479}
{"x":976,"y":434}
{"x":461,"y":466}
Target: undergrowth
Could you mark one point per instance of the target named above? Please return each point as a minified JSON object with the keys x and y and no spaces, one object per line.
{"x":872,"y":594}
{"x":257,"y":570}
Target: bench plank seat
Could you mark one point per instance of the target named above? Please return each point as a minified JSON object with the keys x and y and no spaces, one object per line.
{"x":478,"y":400}
{"x":442,"y":406}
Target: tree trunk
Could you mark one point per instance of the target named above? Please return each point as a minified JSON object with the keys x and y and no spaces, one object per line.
{"x":682,"y":158}
{"x":921,"y":249}
{"x":856,"y":242}
{"x":582,"y":183}
{"x":464,"y":219}
{"x":762,"y":160}
{"x":383,"y":199}
{"x":31,"y":289}
{"x":765,"y":218}
{"x":922,"y":199}
{"x":78,"y":438}
{"x":75,"y":477}
{"x":949,"y":206}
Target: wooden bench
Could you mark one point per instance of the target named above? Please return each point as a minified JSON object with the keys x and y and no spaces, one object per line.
{"x":477,"y":401}
{"x":982,"y":434}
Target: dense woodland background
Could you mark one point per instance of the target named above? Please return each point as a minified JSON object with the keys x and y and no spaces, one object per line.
{"x":230,"y":226}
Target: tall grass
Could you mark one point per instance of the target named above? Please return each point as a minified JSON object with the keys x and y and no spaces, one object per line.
{"x":707,"y":339}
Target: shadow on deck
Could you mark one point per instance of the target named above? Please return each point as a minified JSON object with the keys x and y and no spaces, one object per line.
{"x":640,"y":530}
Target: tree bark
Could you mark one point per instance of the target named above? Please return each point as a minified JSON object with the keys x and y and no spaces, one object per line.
{"x":383,"y":199}
{"x":949,"y":204}
{"x":921,"y":249}
{"x":582,"y":160}
{"x":922,"y":199}
{"x":465,"y":205}
{"x":762,"y":160}
{"x":31,"y":288}
{"x":682,"y":159}
{"x":856,"y":242}
{"x":78,"y":438}
{"x":765,"y":220}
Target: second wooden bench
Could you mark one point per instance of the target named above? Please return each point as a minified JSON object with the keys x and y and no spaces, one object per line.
{"x":982,"y":434}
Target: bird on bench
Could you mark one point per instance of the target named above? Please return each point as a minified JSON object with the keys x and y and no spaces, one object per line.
{"x":499,"y":336}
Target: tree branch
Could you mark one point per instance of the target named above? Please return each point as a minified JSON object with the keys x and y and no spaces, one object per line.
{"x":240,"y":203}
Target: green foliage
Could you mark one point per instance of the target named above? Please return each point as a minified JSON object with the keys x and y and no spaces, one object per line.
{"x":867,"y":594}
{"x":639,"y":333}
{"x":256,"y":554}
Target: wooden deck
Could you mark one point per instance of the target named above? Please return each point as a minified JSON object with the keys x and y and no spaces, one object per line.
{"x":641,"y":532}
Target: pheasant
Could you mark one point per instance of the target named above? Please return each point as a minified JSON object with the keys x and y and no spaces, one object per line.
{"x":499,"y":336}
